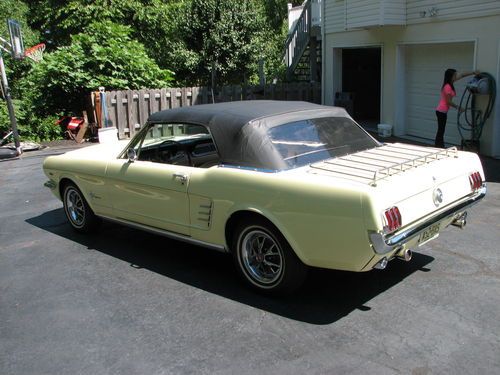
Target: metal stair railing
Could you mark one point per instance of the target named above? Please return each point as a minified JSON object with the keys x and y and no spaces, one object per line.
{"x":298,"y":39}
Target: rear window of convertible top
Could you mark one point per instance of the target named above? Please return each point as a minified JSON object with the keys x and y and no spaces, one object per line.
{"x":308,"y":141}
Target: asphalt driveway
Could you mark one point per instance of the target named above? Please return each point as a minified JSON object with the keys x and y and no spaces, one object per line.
{"x":126,"y":302}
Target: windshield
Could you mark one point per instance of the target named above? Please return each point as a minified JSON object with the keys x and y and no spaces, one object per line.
{"x":154,"y":134}
{"x":308,"y":141}
{"x":159,"y":133}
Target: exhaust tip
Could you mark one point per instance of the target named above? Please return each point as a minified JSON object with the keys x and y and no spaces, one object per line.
{"x":408,"y":254}
{"x":405,"y":255}
{"x":460,"y":221}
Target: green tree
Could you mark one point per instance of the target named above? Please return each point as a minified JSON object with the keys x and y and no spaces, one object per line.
{"x":156,"y":26}
{"x":108,"y":57}
{"x":189,"y":37}
{"x":60,"y":19}
{"x":276,"y":12}
{"x":216,"y":36}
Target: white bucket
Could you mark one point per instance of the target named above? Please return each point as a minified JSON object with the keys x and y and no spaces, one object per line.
{"x":108,"y":135}
{"x":384,"y":130}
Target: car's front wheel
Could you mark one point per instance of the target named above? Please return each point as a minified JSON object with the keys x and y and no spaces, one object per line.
{"x":79,"y":214}
{"x":265,"y":260}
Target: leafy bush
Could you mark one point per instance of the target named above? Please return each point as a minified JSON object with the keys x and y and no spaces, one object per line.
{"x":29,"y":128}
{"x":108,"y":57}
{"x":4,"y":115}
{"x":41,"y":129}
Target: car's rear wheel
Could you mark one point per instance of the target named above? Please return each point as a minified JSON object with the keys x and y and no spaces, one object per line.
{"x":265,"y":260}
{"x":79,"y":214}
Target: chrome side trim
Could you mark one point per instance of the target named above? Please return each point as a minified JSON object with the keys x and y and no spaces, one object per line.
{"x":265,"y":170}
{"x":50,"y":184}
{"x":165,"y":233}
{"x":383,"y":244}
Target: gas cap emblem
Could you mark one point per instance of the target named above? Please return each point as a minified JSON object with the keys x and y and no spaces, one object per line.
{"x":437,"y":197}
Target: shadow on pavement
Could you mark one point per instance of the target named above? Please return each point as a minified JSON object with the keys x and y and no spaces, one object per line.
{"x":326,"y":297}
{"x":491,"y":168}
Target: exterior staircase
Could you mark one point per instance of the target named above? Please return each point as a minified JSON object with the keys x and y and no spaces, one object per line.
{"x":303,"y":44}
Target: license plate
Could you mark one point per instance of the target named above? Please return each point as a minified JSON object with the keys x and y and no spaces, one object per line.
{"x":429,"y":234}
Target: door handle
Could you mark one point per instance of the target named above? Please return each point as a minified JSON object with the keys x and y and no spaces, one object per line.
{"x":181,"y":177}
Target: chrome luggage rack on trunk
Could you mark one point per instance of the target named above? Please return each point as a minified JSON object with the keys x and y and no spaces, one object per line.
{"x":378,"y":163}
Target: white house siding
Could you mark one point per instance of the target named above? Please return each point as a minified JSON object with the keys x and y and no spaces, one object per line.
{"x":449,"y":9}
{"x":361,"y":13}
{"x":334,"y":19}
{"x":352,"y":14}
{"x":481,"y":32}
{"x":394,"y":12}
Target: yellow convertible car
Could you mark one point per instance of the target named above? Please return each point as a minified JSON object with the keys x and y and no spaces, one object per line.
{"x":282,"y":186}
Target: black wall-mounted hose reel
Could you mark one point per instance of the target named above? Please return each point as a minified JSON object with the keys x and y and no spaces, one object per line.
{"x":477,"y":101}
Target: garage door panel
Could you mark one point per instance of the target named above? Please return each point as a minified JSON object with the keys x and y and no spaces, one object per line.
{"x":422,"y":126}
{"x":429,"y":118}
{"x":420,"y":102}
{"x":424,"y":70}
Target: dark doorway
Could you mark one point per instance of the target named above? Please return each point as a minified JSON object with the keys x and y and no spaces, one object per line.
{"x":361,"y":78}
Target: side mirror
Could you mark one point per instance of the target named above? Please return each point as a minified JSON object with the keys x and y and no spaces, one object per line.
{"x":132,"y":156}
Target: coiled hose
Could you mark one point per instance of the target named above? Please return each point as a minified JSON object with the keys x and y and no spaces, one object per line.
{"x":475,"y":119}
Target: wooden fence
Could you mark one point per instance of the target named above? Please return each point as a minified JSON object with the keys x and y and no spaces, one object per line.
{"x":128,"y":110}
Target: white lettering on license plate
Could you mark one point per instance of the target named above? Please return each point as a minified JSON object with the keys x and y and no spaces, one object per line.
{"x":429,"y":234}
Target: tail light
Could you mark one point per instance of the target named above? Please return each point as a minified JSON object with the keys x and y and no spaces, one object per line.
{"x":392,"y":218}
{"x":475,"y":180}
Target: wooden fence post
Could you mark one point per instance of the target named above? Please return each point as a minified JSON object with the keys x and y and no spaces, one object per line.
{"x":183,"y":97}
{"x":129,"y":112}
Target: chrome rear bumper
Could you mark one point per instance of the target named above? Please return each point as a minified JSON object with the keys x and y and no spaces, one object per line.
{"x":383,"y":244}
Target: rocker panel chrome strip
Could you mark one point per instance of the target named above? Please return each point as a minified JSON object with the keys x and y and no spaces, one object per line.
{"x":166,"y":233}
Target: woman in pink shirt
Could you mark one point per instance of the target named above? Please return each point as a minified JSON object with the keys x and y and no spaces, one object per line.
{"x":446,"y":101}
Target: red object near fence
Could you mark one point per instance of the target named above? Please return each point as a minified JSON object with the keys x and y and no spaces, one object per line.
{"x":70,"y":123}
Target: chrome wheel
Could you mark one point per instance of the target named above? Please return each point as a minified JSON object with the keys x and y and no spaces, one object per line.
{"x":264,"y":258}
{"x":261,"y":256}
{"x":77,"y":210}
{"x":75,"y":207}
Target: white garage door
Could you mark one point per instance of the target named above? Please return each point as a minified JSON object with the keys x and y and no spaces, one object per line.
{"x":424,"y":71}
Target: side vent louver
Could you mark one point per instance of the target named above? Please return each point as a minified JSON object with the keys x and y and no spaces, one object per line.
{"x":205,"y":213}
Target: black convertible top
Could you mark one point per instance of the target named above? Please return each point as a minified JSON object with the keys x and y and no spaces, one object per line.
{"x":240,"y":128}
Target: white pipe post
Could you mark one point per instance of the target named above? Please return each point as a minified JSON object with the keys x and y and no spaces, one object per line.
{"x":10,"y":106}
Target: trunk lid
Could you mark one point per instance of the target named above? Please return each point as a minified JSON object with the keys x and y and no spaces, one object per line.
{"x":418,"y":180}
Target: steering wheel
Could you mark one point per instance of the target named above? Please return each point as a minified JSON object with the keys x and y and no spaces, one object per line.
{"x":173,"y":147}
